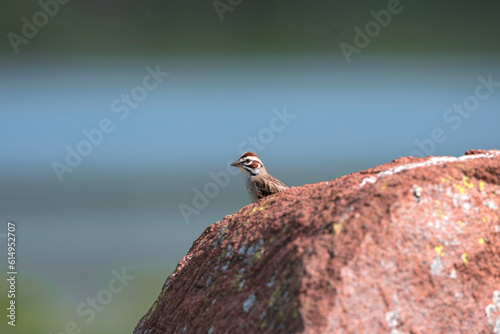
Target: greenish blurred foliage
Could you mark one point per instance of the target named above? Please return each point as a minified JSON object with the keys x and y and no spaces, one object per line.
{"x":43,"y":308}
{"x":253,"y":27}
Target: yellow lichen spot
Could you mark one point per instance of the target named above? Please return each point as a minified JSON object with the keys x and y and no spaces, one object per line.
{"x":257,"y":209}
{"x":467,"y":183}
{"x":428,"y":246}
{"x":384,"y":186}
{"x":481,"y":241}
{"x":465,"y":259}
{"x":440,"y":214}
{"x":438,"y":202}
{"x":152,"y":310}
{"x":481,"y":185}
{"x":439,"y":250}
{"x":484,"y":219}
{"x":443,"y":179}
{"x":257,"y":255}
{"x":460,"y":223}
{"x":460,"y":188}
{"x":337,"y":228}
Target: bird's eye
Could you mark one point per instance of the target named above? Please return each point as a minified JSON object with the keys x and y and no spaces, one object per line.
{"x":247,"y":161}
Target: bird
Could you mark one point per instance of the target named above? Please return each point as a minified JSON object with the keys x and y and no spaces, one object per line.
{"x":258,"y":181}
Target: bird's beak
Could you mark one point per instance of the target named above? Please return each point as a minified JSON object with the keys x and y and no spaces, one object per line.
{"x":235,"y":164}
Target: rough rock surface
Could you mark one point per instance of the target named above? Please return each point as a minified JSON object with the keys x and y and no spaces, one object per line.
{"x":412,"y":246}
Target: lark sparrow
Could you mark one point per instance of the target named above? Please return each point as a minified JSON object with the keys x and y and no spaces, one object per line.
{"x":259,"y":182}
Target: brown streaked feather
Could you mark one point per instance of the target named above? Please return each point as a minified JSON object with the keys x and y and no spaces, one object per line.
{"x":268,"y":185}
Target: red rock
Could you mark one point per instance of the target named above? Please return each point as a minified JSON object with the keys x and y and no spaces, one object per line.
{"x":412,"y":246}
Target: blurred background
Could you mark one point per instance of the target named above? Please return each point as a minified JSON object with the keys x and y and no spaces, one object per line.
{"x":124,"y":201}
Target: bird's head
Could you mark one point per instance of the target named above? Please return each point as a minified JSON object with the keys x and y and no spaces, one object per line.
{"x":249,"y":163}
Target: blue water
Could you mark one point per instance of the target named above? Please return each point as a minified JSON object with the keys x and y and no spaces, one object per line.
{"x":205,"y":107}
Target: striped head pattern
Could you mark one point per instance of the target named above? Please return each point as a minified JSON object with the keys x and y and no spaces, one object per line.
{"x":250,"y":163}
